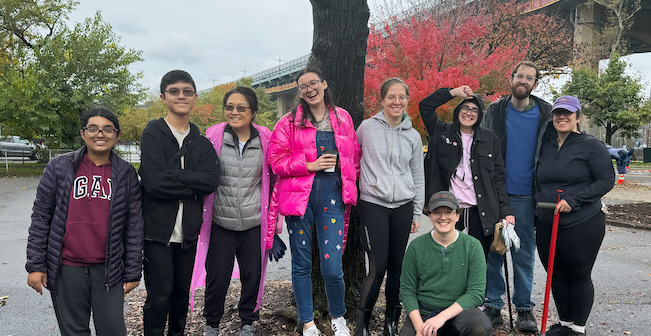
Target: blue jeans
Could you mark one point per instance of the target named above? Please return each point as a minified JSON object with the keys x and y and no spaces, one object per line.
{"x":523,"y":260}
{"x":325,"y":216}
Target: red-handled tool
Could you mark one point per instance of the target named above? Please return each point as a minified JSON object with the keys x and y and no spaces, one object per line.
{"x":550,"y":263}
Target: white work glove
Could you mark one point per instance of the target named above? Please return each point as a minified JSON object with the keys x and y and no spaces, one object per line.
{"x":510,"y":237}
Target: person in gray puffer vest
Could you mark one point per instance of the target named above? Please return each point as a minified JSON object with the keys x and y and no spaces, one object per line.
{"x":235,"y":216}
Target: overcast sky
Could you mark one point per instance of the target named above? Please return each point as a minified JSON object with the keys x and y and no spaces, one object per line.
{"x":217,"y":40}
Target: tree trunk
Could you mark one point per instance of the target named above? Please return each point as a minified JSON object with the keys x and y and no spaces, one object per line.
{"x":609,"y":133}
{"x":339,"y":51}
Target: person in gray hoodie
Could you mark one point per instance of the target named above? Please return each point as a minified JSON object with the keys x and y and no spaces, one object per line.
{"x":392,"y":193}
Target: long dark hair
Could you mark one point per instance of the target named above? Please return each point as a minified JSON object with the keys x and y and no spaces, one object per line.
{"x":328,"y":98}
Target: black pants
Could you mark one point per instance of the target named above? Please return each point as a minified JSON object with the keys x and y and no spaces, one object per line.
{"x":168,"y":271}
{"x":388,"y":232}
{"x":470,"y":322}
{"x":81,"y":289}
{"x":576,"y":252}
{"x":225,"y":245}
{"x":470,"y":218}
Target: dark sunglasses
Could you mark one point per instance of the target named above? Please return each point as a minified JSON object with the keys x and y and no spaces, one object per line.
{"x":240,"y":108}
{"x":563,"y":112}
{"x":176,"y":92}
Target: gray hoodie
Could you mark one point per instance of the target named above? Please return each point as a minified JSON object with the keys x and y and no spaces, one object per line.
{"x":392,"y":164}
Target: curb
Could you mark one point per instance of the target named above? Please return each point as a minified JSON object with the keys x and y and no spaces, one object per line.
{"x":627,"y":225}
{"x":640,"y":171}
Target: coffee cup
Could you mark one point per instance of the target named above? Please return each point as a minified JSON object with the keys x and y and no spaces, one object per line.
{"x":331,"y":152}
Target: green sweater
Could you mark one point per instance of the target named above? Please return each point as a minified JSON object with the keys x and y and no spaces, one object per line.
{"x":437,"y":277}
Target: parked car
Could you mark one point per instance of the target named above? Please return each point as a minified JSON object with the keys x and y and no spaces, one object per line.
{"x":15,"y":146}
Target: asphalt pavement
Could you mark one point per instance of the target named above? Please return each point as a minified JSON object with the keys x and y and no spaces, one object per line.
{"x":622,"y":274}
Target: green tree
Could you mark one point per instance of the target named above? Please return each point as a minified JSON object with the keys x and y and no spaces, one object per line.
{"x":134,"y":119}
{"x":610,"y":99}
{"x":52,"y":73}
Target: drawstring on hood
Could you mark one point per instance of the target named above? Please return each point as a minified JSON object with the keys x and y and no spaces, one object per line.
{"x":405,"y":124}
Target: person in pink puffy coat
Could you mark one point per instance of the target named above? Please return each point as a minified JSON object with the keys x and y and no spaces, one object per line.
{"x":315,"y":154}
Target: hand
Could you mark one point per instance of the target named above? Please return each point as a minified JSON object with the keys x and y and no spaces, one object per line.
{"x":36,"y":279}
{"x":463,"y":91}
{"x":432,"y":325}
{"x":324,"y":161}
{"x":562,"y":206}
{"x":277,"y":251}
{"x":414,"y":227}
{"x":510,"y":219}
{"x":129,"y":286}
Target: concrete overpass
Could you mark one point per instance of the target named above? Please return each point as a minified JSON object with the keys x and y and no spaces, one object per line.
{"x":589,"y":17}
{"x":280,"y":82}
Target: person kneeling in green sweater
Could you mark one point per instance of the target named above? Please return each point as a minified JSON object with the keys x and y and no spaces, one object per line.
{"x":443,"y":277}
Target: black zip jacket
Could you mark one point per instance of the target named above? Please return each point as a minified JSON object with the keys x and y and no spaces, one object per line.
{"x":582,"y":168}
{"x":125,"y":231}
{"x":165,"y":183}
{"x":445,"y":152}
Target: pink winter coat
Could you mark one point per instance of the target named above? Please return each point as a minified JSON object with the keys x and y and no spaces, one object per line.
{"x":216,"y":136}
{"x":292,"y":146}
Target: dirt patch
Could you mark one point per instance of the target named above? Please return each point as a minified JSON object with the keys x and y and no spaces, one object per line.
{"x":277,"y":315}
{"x":635,"y":214}
{"x":628,"y":204}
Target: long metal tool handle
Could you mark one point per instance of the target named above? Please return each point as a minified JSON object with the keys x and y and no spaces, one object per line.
{"x":550,"y":263}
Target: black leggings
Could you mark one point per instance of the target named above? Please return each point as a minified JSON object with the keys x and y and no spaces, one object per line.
{"x":469,"y":217}
{"x":576,"y":252}
{"x":387,"y":231}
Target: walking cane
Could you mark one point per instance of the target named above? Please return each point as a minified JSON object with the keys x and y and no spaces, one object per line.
{"x":508,"y":290}
{"x":550,"y":263}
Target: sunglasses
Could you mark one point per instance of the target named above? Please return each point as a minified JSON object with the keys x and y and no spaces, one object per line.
{"x":240,"y":108}
{"x":176,"y":92}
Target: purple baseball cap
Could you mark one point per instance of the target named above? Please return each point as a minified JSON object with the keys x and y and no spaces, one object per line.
{"x":569,"y":103}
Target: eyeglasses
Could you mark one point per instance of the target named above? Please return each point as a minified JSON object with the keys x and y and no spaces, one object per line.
{"x":466,"y":109}
{"x":240,"y":108}
{"x":562,"y":112}
{"x":400,"y":97}
{"x":314,"y":84}
{"x":94,"y":131}
{"x":440,"y":213}
{"x":530,"y":79}
{"x":175,"y":92}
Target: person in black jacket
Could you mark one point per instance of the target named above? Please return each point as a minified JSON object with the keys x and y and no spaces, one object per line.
{"x":466,"y":159}
{"x":85,"y":240}
{"x":580,"y":166}
{"x":178,"y":168}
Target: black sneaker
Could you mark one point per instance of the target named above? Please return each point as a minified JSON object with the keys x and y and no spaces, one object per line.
{"x":558,"y":330}
{"x":494,"y":315}
{"x":526,"y":322}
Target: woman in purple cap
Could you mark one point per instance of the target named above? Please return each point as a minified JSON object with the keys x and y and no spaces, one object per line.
{"x":580,"y":166}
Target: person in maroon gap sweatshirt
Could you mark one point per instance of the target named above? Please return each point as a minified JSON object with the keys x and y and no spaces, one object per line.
{"x":86,"y":237}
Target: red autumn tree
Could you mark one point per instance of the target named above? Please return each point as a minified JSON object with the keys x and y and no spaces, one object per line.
{"x":429,"y":55}
{"x":547,"y":34}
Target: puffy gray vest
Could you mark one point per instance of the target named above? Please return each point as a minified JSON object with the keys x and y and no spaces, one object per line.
{"x":237,"y":199}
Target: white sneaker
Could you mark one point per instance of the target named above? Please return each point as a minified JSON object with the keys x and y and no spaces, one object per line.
{"x":339,"y":326}
{"x":312,"y":331}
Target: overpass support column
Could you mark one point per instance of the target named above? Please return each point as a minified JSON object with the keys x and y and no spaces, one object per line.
{"x":590,"y":18}
{"x":285,"y":101}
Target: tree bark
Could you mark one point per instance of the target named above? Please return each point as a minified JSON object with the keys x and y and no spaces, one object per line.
{"x":339,"y":51}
